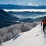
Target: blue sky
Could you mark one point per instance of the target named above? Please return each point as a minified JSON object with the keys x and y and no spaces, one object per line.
{"x":24,"y":2}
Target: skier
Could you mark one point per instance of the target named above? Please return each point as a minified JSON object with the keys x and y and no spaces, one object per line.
{"x":44,"y":23}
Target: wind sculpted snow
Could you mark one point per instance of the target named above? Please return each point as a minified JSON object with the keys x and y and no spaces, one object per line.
{"x":34,"y":37}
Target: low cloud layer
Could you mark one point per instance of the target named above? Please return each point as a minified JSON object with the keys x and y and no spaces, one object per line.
{"x":22,"y":10}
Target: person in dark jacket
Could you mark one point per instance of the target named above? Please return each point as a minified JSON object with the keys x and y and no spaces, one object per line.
{"x":44,"y":23}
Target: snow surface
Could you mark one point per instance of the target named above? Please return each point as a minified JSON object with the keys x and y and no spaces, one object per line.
{"x":34,"y":37}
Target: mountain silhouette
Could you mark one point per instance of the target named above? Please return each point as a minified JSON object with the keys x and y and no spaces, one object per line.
{"x":7,"y":19}
{"x":12,"y":6}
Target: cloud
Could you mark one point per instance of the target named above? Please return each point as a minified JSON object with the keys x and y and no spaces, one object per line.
{"x":35,"y":4}
{"x":22,"y":10}
{"x":32,"y":4}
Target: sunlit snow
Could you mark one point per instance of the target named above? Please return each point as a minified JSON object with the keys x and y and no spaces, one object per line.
{"x":34,"y":37}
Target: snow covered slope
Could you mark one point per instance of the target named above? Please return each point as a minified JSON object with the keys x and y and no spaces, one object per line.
{"x":34,"y":37}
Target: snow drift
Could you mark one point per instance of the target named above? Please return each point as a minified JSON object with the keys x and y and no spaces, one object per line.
{"x":34,"y":37}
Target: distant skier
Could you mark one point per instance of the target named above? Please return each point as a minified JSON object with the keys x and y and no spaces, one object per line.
{"x":43,"y":23}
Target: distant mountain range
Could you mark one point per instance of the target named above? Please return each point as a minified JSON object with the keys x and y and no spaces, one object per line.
{"x":26,"y":12}
{"x":12,"y":6}
{"x":32,"y":20}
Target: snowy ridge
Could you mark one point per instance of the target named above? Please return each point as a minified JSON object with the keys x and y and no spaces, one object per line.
{"x":34,"y":37}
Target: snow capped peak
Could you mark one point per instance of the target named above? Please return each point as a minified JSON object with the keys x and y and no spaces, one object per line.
{"x":30,"y":4}
{"x":34,"y":37}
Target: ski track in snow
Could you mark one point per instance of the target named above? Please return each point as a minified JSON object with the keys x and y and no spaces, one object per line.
{"x":34,"y":37}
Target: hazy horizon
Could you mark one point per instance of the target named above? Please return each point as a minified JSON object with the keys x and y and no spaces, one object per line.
{"x":24,"y":2}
